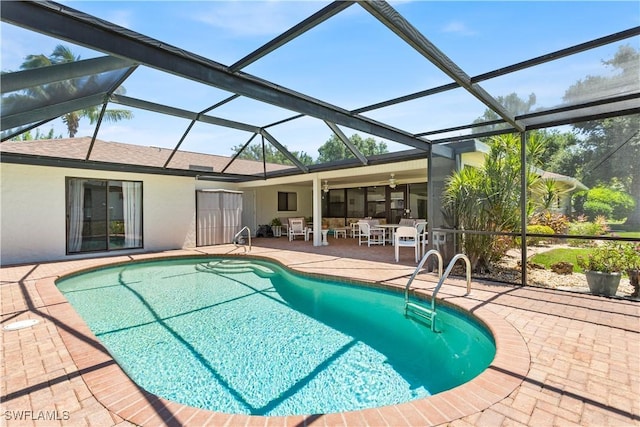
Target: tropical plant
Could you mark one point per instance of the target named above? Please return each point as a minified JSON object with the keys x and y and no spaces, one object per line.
{"x":606,"y":258}
{"x":488,"y":198}
{"x":275,"y":222}
{"x":548,"y":193}
{"x":60,"y":90}
{"x":558,"y":222}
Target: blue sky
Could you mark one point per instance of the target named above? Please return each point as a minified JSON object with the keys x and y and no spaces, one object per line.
{"x":350,"y":60}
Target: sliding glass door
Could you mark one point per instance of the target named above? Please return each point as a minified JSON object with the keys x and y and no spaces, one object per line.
{"x":103,"y":215}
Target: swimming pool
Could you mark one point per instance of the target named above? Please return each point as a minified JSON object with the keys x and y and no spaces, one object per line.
{"x":251,"y":337}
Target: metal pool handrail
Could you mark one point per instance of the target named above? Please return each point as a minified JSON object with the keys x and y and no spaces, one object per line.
{"x":419,"y":267}
{"x":235,"y":238}
{"x":430,"y":314}
{"x":446,"y":274}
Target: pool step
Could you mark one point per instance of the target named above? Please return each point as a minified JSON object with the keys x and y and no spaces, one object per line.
{"x":235,"y":267}
{"x":421,"y":311}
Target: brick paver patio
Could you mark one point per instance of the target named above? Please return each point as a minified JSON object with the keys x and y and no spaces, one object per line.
{"x":563,"y":358}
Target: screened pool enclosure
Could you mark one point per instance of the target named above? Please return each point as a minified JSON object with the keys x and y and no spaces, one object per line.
{"x":549,"y":96}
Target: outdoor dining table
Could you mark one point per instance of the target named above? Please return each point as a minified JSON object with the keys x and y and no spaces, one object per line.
{"x":390,"y":229}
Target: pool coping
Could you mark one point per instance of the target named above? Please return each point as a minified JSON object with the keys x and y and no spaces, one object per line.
{"x":120,"y":395}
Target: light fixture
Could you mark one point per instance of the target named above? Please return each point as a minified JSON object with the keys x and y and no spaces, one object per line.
{"x":325,"y":187}
{"x":392,"y":181}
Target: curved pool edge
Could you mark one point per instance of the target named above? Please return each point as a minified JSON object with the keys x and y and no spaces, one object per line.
{"x":120,"y":395}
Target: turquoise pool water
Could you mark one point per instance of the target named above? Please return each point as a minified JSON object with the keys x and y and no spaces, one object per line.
{"x":250,"y":337}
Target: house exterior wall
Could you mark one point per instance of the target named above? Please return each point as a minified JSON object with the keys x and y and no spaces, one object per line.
{"x":267,"y":203}
{"x":32,"y":212}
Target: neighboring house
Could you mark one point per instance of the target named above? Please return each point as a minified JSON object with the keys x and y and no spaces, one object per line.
{"x":559,"y":190}
{"x":57,"y":205}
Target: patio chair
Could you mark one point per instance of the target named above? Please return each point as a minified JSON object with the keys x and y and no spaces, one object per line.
{"x":371,"y":234}
{"x":297,"y":228}
{"x":406,"y":237}
{"x":355,"y":230}
{"x":421,"y":227}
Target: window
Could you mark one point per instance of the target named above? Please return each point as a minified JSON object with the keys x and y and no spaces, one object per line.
{"x":355,"y":203}
{"x":376,"y":202}
{"x":418,"y":198}
{"x":287,"y":201}
{"x":103,"y":215}
{"x":336,"y":206}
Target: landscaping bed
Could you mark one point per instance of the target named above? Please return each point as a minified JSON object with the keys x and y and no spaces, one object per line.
{"x":509,"y":270}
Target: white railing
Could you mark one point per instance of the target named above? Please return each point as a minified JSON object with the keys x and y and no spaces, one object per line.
{"x":238,"y":240}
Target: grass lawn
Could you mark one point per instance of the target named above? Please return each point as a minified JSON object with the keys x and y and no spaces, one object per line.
{"x":632,"y":234}
{"x":561,"y":254}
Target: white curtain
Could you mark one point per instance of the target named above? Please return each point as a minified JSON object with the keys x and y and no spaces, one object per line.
{"x":76,"y":214}
{"x":132,"y":213}
{"x":219,"y":217}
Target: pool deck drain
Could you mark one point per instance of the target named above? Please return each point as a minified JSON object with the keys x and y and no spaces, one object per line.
{"x":563,"y":359}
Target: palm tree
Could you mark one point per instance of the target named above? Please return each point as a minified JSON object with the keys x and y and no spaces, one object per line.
{"x":62,"y":54}
{"x":488,"y":198}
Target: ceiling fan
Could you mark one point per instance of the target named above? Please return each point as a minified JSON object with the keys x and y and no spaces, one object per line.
{"x":392,"y":181}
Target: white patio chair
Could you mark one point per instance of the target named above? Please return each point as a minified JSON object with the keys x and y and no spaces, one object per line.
{"x":355,"y":230}
{"x":371,"y":234}
{"x":421,"y":227}
{"x":297,"y":228}
{"x":406,"y":237}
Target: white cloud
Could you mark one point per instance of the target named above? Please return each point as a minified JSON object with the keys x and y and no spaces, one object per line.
{"x":458,"y":27}
{"x":262,"y":18}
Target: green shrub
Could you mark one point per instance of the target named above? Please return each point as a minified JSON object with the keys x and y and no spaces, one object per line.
{"x":586,"y":228}
{"x":631,"y":255}
{"x":558,"y":222}
{"x":594,"y":208}
{"x":538,"y":229}
{"x":608,"y":202}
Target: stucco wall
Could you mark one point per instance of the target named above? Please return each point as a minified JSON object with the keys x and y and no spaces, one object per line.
{"x":32,"y":211}
{"x":267,"y":203}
